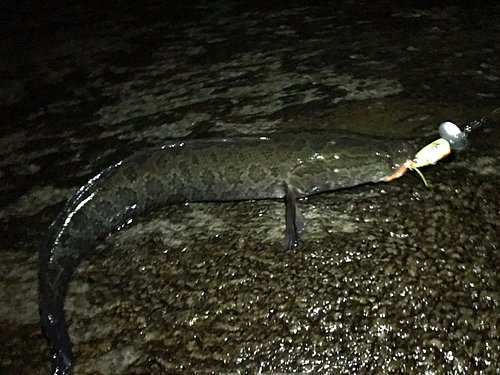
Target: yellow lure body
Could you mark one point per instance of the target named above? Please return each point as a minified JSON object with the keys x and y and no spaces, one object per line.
{"x":432,"y":153}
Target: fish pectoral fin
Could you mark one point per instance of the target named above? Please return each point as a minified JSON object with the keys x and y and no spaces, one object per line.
{"x":295,"y":221}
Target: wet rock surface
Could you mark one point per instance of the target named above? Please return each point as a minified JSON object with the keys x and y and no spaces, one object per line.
{"x":389,"y":278}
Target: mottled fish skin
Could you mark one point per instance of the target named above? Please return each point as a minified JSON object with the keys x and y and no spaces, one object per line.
{"x":291,"y":165}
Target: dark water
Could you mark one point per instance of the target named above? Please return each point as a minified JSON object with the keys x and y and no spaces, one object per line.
{"x":389,"y":278}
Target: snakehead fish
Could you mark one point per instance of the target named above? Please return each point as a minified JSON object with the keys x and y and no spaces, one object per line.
{"x":287,"y":166}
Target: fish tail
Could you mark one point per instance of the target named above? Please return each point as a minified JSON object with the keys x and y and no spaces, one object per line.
{"x":52,"y":291}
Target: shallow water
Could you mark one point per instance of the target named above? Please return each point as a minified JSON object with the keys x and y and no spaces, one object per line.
{"x":389,"y":278}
